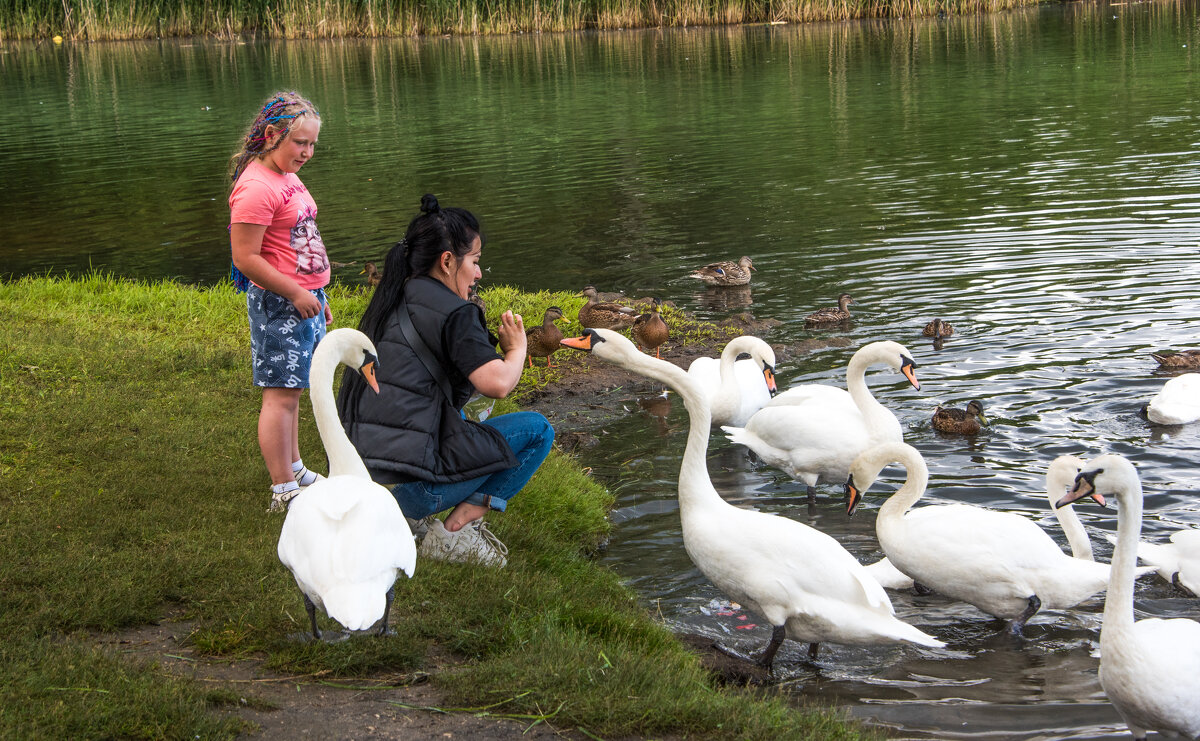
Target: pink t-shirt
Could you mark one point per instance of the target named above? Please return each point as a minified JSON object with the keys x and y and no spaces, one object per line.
{"x":292,"y":244}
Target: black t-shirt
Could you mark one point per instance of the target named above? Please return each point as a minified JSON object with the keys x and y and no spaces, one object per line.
{"x":467,"y":342}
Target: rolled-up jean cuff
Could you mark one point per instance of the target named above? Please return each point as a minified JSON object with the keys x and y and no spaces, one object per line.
{"x":487,"y":500}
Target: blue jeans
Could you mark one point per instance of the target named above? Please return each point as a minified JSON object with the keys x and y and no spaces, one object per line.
{"x":529,"y":435}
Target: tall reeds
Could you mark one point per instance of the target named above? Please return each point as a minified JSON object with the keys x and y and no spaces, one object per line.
{"x":130,"y":19}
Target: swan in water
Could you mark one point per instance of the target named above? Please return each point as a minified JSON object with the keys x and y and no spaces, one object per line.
{"x":1001,"y":562}
{"x":1059,"y":477}
{"x":1177,"y":561}
{"x":1178,"y":403}
{"x":813,"y":432}
{"x":1149,"y":669}
{"x":799,"y":579}
{"x":736,"y":389}
{"x":344,"y":538}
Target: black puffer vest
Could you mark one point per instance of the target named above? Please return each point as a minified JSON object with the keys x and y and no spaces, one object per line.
{"x":410,"y":431}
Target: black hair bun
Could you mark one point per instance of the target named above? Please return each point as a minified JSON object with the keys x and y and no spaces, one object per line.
{"x":429,"y":204}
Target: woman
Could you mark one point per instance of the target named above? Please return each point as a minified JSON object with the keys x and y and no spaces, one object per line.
{"x":435,"y":352}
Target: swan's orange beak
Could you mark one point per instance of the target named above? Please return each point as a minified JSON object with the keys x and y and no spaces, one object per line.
{"x":909,"y":369}
{"x":769,"y":374}
{"x":582,"y":342}
{"x":1085,"y":486}
{"x":853,"y":496}
{"x":367,"y":369}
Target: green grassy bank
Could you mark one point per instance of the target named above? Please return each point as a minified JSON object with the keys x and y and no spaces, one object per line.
{"x":131,"y":486}
{"x":134,"y":19}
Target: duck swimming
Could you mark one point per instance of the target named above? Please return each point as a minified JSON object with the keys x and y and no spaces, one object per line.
{"x":960,"y":421}
{"x":831,"y":314}
{"x":727,"y":273}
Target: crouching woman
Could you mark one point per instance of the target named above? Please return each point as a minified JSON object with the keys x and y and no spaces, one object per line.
{"x":435,"y":352}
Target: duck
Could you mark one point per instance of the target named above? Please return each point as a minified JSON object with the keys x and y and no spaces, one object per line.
{"x":831,"y":314}
{"x":937,"y":329}
{"x":1177,"y":561}
{"x":1001,"y":562}
{"x":1149,"y":669}
{"x":474,"y":297}
{"x":960,"y":421}
{"x":604,"y":315}
{"x":727,"y":273}
{"x":813,"y":432}
{"x":649,"y":330}
{"x":1181,"y":360}
{"x":736,"y":389}
{"x":1059,"y":477}
{"x":542,"y":341}
{"x":800,"y":580}
{"x":372,"y":273}
{"x":344,"y":538}
{"x":1178,"y":403}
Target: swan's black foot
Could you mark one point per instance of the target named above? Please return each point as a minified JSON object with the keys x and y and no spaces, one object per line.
{"x":921,"y":589}
{"x":1016,"y":627}
{"x":311,"y":609}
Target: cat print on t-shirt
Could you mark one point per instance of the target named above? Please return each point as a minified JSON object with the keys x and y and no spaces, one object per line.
{"x":306,"y":242}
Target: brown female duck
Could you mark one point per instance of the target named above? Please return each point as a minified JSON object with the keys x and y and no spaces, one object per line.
{"x":1182,"y":360}
{"x":831,"y":314}
{"x":727,"y":273}
{"x":597,"y":315}
{"x":961,"y":421}
{"x":649,"y":330}
{"x":373,"y":275}
{"x":542,"y":341}
{"x":938,"y":329}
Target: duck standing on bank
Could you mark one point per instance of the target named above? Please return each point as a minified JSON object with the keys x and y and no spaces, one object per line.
{"x":596,"y":314}
{"x":649,"y":330}
{"x":543,"y":340}
{"x":726,"y":273}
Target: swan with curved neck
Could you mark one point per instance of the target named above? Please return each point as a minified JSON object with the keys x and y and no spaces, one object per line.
{"x":800,"y":580}
{"x":814,"y":431}
{"x":736,"y":389}
{"x":1001,"y":562}
{"x":1149,"y":669}
{"x":1178,"y":403}
{"x":344,"y":538}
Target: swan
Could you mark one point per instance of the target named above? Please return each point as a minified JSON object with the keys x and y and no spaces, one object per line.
{"x":814,"y":431}
{"x":1001,"y":562}
{"x":799,"y":579}
{"x":1059,"y":477}
{"x":1177,"y":561}
{"x":736,"y":389}
{"x":344,"y":537}
{"x":1149,"y":669}
{"x":1178,"y":403}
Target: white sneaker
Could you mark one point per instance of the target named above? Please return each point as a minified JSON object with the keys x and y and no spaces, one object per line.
{"x":474,"y":543}
{"x":419,"y":527}
{"x":319,"y":477}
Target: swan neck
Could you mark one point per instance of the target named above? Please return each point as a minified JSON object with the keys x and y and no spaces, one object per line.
{"x":856,"y":385}
{"x":343,"y":457}
{"x":1077,"y":537}
{"x":915,"y":481}
{"x":1118,"y":604}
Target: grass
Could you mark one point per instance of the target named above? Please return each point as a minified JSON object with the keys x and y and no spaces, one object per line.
{"x":131,"y":19}
{"x":133,"y":487}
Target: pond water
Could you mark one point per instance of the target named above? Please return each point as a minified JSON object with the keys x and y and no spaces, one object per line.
{"x":1031,"y":177}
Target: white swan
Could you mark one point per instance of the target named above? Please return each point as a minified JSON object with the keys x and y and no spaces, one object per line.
{"x":1177,"y":403}
{"x":799,"y":579}
{"x":1150,"y":669}
{"x":1001,"y":562}
{"x":1059,"y":477}
{"x":736,"y":389}
{"x":344,"y":538}
{"x":813,"y":432}
{"x":1177,"y":561}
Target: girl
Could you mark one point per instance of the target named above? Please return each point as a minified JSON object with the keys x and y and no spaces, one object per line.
{"x":434,"y":353}
{"x":280,"y":261}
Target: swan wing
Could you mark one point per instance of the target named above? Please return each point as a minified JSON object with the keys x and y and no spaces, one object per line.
{"x":888,"y":576}
{"x":1178,"y":402}
{"x":1151,"y":673}
{"x":814,"y":392}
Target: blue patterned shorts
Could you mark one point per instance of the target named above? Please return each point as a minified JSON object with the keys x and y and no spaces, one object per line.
{"x":281,"y":343}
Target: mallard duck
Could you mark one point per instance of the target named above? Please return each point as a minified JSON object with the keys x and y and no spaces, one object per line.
{"x":542,"y":340}
{"x":373,"y":274}
{"x":727,"y":273}
{"x":962,"y":421}
{"x":597,"y":315}
{"x":474,"y":297}
{"x":830,"y":314}
{"x":937,"y":329}
{"x":649,"y":330}
{"x":1182,"y":360}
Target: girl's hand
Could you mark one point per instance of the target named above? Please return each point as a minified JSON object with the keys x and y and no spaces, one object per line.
{"x":306,"y":304}
{"x":512,"y":333}
{"x":328,"y":315}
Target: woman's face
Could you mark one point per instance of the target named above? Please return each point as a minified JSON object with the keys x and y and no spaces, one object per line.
{"x":468,"y":271}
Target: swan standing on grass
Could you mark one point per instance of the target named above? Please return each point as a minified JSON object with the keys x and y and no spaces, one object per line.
{"x":1001,"y":562}
{"x":1178,"y":403}
{"x":344,"y":538}
{"x":1150,"y":669}
{"x":799,"y":579}
{"x":736,"y":389}
{"x":813,"y":432}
